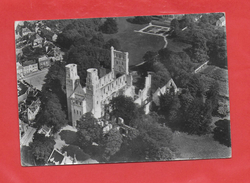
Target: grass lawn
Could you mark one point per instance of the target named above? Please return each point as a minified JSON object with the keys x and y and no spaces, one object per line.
{"x":176,"y":46}
{"x":200,"y":147}
{"x":27,"y":157}
{"x":137,"y":44}
{"x":68,"y":136}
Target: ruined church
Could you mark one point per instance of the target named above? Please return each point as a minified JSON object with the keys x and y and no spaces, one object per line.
{"x":99,"y":91}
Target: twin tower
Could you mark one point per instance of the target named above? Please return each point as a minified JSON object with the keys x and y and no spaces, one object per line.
{"x":98,"y":90}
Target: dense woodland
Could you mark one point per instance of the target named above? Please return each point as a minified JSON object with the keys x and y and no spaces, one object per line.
{"x":150,"y":136}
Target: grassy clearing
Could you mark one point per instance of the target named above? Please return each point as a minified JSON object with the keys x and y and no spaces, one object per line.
{"x":200,"y":147}
{"x":68,"y":136}
{"x":137,"y":44}
{"x":176,"y":46}
{"x":27,"y":158}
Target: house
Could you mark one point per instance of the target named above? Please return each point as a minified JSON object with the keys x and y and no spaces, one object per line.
{"x":33,"y":109}
{"x":56,"y":54}
{"x":54,"y":37}
{"x":19,"y":51}
{"x":37,"y":41}
{"x":45,"y":130}
{"x":19,"y":70}
{"x":43,"y":62}
{"x":221,"y":22}
{"x":58,"y":158}
{"x":29,"y":67}
{"x":26,"y":31}
{"x":48,"y":34}
{"x":22,"y":91}
{"x":23,"y":127}
{"x":27,"y":137}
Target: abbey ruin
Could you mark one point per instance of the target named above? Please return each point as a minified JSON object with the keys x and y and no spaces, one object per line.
{"x":99,"y":91}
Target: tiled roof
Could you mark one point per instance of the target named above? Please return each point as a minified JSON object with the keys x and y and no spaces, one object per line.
{"x":29,"y":62}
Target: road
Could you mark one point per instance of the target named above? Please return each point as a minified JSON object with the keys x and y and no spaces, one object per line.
{"x":28,"y":136}
{"x":36,"y":79}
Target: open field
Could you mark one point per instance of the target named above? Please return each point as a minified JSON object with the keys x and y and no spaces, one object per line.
{"x":200,"y":147}
{"x":176,"y":46}
{"x":36,"y":79}
{"x":137,"y":44}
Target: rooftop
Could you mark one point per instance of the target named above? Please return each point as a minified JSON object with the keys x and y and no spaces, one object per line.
{"x":21,"y":88}
{"x":56,"y":158}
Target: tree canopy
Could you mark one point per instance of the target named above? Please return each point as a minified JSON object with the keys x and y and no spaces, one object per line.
{"x":124,"y":107}
{"x":88,"y":130}
{"x":41,"y":148}
{"x":222,"y":132}
{"x":109,"y":26}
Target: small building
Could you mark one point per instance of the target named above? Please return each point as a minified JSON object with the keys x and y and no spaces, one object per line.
{"x":19,"y":51}
{"x":37,"y":41}
{"x":29,"y":67}
{"x":43,"y":62}
{"x":23,"y":127}
{"x":19,"y":70}
{"x":221,"y":22}
{"x":57,"y":158}
{"x":48,"y":34}
{"x":54,"y":37}
{"x":28,"y":136}
{"x":45,"y":130}
{"x":22,"y":91}
{"x":33,"y":109}
{"x":26,"y":31}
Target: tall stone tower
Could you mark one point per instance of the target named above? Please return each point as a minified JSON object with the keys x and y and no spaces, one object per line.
{"x":92,"y":81}
{"x":119,"y":62}
{"x":72,"y":80}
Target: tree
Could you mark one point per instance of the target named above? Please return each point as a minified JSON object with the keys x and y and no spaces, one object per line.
{"x":152,"y":138}
{"x":222,"y":132}
{"x":196,"y":86}
{"x":125,"y":108}
{"x":113,"y":42}
{"x":109,"y":26}
{"x":52,"y":114}
{"x":197,"y":118}
{"x":41,"y":148}
{"x":88,"y":130}
{"x":87,"y":57}
{"x":140,"y":20}
{"x":113,"y":141}
{"x":75,"y":152}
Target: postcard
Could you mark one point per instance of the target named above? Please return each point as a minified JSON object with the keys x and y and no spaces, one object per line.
{"x":123,"y":89}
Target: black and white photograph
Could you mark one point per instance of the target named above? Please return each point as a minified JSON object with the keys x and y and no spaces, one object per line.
{"x":123,"y":89}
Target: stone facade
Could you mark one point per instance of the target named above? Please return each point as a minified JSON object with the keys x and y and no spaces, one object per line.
{"x":43,"y":62}
{"x":165,"y":89}
{"x":100,"y":90}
